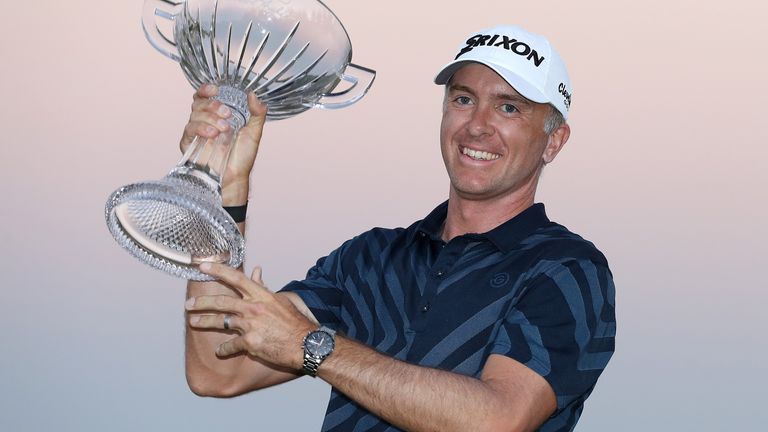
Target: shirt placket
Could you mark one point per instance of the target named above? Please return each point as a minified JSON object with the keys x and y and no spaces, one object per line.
{"x":447,"y":256}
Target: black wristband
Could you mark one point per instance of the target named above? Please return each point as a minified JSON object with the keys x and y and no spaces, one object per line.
{"x":237,"y":212}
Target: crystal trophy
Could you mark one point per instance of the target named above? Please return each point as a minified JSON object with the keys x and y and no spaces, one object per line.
{"x":294,"y":54}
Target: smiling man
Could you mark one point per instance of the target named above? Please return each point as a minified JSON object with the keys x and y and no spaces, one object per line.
{"x":483,"y":316}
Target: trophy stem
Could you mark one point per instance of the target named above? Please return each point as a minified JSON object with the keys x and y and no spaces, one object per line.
{"x":206,"y":158}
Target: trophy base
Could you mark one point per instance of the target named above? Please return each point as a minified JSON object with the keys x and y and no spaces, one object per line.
{"x":175,"y":224}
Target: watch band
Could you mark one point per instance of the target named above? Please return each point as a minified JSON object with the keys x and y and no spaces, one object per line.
{"x":310,"y":366}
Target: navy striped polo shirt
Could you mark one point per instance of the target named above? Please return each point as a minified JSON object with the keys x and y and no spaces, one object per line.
{"x":529,"y":289}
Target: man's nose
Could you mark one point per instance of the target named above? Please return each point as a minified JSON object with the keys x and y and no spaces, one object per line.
{"x":480,"y":121}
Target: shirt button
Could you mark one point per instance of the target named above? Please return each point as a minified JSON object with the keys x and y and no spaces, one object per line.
{"x":440,"y":273}
{"x":425,"y":308}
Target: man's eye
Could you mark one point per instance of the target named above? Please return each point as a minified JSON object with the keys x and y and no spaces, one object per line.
{"x":463,"y":100}
{"x":509,"y":108}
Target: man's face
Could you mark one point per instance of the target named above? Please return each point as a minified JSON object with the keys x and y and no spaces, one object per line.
{"x":492,"y":139}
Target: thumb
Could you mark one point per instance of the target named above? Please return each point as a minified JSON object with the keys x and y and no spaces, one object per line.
{"x":253,"y":129}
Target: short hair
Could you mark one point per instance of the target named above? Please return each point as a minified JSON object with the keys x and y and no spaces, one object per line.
{"x":554,"y":120}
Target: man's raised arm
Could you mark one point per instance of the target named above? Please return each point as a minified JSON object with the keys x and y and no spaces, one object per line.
{"x":207,"y":374}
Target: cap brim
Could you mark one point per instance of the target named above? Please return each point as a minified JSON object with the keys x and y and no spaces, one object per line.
{"x":519,"y":84}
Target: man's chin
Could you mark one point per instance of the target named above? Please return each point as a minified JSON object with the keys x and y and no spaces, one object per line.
{"x":472,"y":192}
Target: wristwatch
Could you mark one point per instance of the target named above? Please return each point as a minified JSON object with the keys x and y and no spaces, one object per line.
{"x":318,"y":345}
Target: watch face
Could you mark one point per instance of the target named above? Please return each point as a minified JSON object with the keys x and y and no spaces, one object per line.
{"x":319,"y":344}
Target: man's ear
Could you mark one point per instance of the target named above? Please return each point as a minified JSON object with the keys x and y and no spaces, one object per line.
{"x":556,"y":141}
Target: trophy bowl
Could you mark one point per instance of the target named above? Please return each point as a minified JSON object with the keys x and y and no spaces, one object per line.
{"x":293,"y":54}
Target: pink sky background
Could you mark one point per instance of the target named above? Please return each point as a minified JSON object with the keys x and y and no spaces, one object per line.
{"x":665,"y":171}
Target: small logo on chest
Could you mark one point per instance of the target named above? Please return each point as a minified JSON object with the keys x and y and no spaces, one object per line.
{"x":499,"y":280}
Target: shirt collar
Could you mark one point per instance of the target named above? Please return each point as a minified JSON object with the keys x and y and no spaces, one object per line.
{"x":505,"y":236}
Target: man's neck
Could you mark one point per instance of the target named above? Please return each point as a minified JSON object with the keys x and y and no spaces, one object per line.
{"x":478,"y":216}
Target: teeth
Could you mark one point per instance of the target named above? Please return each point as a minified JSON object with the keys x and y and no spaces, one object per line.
{"x":480,"y":155}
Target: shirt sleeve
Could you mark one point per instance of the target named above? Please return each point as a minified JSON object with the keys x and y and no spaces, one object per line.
{"x":321,"y":290}
{"x":563,"y":328}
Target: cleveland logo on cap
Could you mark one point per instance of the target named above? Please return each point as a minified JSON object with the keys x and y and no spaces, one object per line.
{"x":563,"y":90}
{"x":517,"y":47}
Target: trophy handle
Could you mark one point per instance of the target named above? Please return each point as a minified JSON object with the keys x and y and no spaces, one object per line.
{"x":165,"y":9}
{"x":360,"y":79}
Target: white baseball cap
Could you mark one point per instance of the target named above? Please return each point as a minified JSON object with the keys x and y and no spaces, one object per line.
{"x":527,"y":61}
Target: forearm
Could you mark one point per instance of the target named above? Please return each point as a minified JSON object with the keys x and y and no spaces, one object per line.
{"x":235,"y":193}
{"x":412,"y":397}
{"x":206,"y":373}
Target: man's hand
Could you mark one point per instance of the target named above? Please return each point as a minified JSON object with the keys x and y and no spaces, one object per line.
{"x":271,"y":328}
{"x":208,"y":119}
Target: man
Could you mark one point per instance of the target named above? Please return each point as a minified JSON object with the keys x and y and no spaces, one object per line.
{"x":483,"y":316}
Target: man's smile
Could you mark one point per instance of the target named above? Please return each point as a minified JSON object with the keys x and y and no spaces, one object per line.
{"x":479,"y":155}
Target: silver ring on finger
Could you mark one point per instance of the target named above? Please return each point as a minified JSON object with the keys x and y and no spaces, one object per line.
{"x":227,"y":319}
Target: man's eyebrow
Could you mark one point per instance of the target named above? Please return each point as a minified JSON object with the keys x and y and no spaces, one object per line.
{"x":459,"y":87}
{"x":514,"y":97}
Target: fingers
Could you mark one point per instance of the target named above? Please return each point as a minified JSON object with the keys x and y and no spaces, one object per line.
{"x":233,"y":313}
{"x":209,"y":112}
{"x":206,"y":91}
{"x":204,"y":125}
{"x":231,"y":347}
{"x":208,"y":117}
{"x":235,"y":279}
{"x":256,"y":275}
{"x":218,"y":322}
{"x":215,"y":303}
